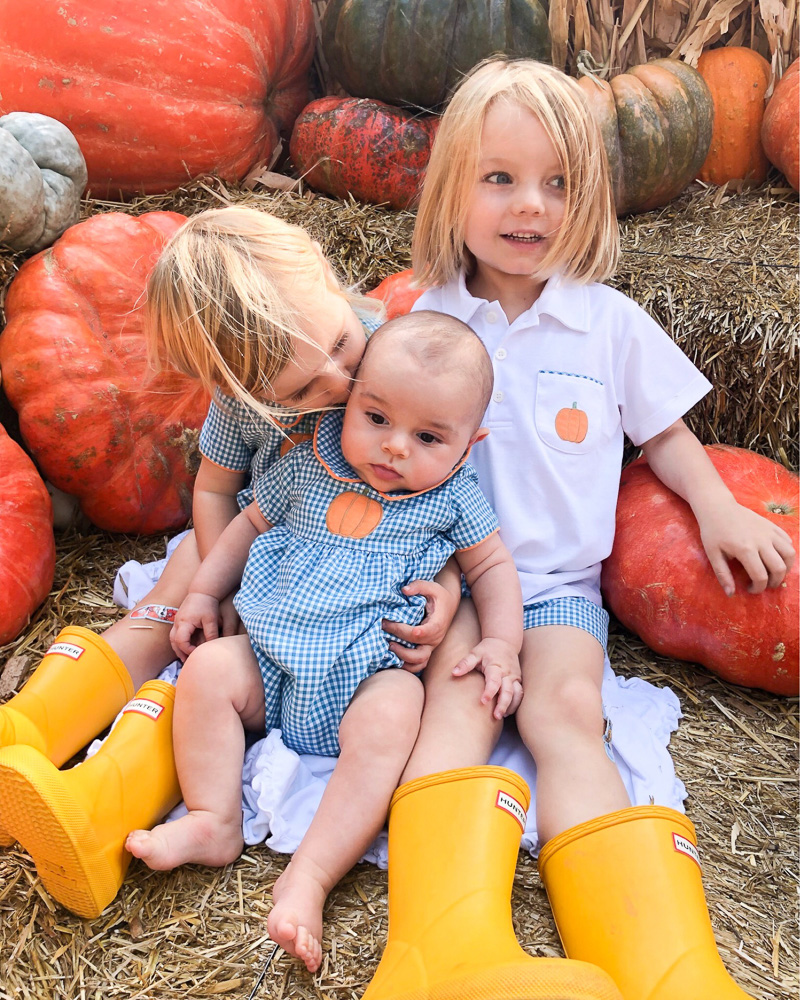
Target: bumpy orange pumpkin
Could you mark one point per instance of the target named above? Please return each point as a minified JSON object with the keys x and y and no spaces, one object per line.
{"x":365,"y":148}
{"x":396,"y":293}
{"x":738,"y":79}
{"x":156,"y":93}
{"x":74,"y":366}
{"x":780,"y":131}
{"x":353,"y":515}
{"x":659,"y":583}
{"x":572,"y":424}
{"x":656,"y":123}
{"x":27,"y":546}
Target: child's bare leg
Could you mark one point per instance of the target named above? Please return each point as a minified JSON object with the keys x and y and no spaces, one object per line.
{"x":561,"y":721}
{"x":143,"y":645}
{"x":456,"y":729}
{"x":220,"y":694}
{"x":376,"y":736}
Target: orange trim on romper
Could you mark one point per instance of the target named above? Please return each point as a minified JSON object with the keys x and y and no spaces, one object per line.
{"x":468,"y":547}
{"x":405,"y":496}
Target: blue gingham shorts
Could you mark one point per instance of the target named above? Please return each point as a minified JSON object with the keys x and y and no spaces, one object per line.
{"x":578,"y":612}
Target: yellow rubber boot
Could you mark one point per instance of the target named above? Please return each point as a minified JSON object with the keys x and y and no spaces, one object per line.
{"x":627,"y":894}
{"x":74,"y":823}
{"x":453,"y":843}
{"x":75,"y":692}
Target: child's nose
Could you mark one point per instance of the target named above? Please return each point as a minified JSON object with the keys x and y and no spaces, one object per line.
{"x":530,"y":200}
{"x":396,"y":443}
{"x":335,"y":383}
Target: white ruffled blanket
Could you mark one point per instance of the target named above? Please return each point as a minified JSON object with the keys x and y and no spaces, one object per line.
{"x":281,"y":789}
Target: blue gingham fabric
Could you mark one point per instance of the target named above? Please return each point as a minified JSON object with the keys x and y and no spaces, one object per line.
{"x":312,"y":600}
{"x":579,"y":612}
{"x":235,"y":437}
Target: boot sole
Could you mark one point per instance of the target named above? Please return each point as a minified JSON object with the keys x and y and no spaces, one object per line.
{"x":37,"y":811}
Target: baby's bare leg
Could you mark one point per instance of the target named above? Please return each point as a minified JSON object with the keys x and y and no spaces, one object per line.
{"x":561,"y":721}
{"x":456,"y":729}
{"x":143,"y":645}
{"x":376,"y":736}
{"x":220,"y":694}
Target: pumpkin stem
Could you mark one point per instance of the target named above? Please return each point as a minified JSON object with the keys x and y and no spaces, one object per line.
{"x":779,"y":508}
{"x":575,"y":406}
{"x":587,"y":65}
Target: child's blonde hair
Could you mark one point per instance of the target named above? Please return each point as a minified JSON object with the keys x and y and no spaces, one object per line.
{"x":587,"y":244}
{"x":227,"y":299}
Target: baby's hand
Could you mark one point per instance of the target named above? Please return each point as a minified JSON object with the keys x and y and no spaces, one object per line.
{"x":498,"y":661}
{"x":440,"y":609}
{"x":197,"y":619}
{"x":764,"y":550}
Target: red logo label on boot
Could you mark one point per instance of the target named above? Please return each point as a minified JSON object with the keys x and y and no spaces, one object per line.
{"x":66,"y":649}
{"x":684,"y":846}
{"x":510,"y":805}
{"x":144,"y":707}
{"x":155,"y":613}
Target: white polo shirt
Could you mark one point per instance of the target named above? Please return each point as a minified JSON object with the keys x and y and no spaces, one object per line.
{"x":584,"y":366}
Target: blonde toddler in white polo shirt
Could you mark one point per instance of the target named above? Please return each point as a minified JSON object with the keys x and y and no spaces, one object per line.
{"x":514,"y":242}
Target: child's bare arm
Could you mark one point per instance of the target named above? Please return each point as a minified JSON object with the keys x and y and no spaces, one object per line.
{"x":492,"y":578}
{"x":219,"y":573}
{"x":728,"y":530}
{"x":442,"y":597}
{"x":214,"y":503}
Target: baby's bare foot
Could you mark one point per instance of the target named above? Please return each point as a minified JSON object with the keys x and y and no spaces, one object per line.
{"x":196,"y":838}
{"x":295,"y":920}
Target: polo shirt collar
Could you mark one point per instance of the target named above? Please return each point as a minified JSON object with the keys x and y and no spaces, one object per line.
{"x":562,"y":300}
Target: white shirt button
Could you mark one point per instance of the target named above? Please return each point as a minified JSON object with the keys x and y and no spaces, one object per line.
{"x":499,"y":396}
{"x":491,"y":316}
{"x":500,"y":353}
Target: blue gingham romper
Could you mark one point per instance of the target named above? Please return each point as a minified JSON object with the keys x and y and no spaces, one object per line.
{"x":312,"y":599}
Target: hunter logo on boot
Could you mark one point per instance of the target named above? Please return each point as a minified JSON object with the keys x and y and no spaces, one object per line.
{"x":144,"y":707}
{"x":684,"y":846}
{"x":510,"y":804}
{"x":66,"y":649}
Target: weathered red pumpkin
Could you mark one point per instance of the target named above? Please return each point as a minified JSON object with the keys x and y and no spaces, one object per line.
{"x":101,"y":426}
{"x":368,"y":149}
{"x":27,"y":546}
{"x":397,"y":293}
{"x":659,"y":583}
{"x":780,"y":130}
{"x":656,"y":122}
{"x":737,"y":78}
{"x":157,"y":93}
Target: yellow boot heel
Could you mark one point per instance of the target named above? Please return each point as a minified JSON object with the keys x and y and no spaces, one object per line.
{"x":74,"y":823}
{"x":627,"y":894}
{"x":453,"y":844}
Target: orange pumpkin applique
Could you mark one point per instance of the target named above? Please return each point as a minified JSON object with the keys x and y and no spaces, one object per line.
{"x":572,"y":424}
{"x":292,"y":440}
{"x":353,"y":515}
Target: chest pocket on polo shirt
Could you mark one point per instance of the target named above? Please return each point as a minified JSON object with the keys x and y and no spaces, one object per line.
{"x":570,"y":411}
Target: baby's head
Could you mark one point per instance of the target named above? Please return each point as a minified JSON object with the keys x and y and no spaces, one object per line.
{"x":417,"y":403}
{"x":245,"y":301}
{"x":585,"y":247}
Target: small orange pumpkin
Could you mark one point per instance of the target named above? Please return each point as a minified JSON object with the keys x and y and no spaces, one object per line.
{"x":397,"y":293}
{"x":780,"y":130}
{"x":738,"y":79}
{"x":352,"y":515}
{"x":572,"y":424}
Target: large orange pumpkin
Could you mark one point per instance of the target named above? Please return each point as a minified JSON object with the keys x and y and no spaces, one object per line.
{"x":99,"y":424}
{"x":780,"y":131}
{"x":659,"y":583}
{"x":27,"y":546}
{"x":738,"y":79}
{"x":397,"y":293}
{"x":156,"y":93}
{"x":368,"y":149}
{"x":656,"y":123}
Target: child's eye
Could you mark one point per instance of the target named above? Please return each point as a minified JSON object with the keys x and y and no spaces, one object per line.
{"x":559,"y":182}
{"x":298,"y":396}
{"x":427,"y":438}
{"x":499,"y":177}
{"x":377,"y":418}
{"x":341,"y":343}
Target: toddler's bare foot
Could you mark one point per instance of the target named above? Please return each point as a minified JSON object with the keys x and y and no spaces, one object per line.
{"x":295,"y":920}
{"x":197,"y":838}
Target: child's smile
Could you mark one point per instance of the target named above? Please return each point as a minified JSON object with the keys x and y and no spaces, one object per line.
{"x":517,"y":204}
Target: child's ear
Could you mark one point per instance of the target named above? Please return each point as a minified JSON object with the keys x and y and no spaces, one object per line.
{"x":479,"y":435}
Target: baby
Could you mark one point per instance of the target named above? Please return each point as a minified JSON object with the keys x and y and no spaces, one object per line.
{"x":381,"y":496}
